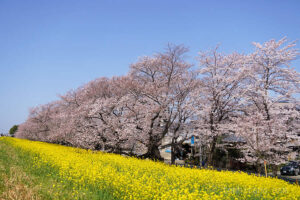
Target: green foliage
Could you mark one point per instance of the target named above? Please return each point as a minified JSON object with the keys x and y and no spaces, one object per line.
{"x":13,"y":130}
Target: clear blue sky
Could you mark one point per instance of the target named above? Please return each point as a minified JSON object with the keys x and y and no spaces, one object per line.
{"x":50,"y":47}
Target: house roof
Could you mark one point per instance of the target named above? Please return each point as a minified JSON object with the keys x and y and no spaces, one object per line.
{"x":233,"y":139}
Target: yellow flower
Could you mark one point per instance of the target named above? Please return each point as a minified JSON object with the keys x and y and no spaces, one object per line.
{"x":132,"y":178}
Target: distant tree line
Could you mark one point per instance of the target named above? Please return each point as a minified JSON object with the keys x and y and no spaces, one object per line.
{"x":164,"y":94}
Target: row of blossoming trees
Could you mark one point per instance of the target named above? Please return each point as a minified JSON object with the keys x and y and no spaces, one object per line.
{"x":164,"y":95}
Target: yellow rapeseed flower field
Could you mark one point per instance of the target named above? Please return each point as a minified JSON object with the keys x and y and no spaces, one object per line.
{"x":131,"y":178}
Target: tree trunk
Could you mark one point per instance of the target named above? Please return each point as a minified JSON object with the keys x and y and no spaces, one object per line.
{"x":173,"y":152}
{"x":274,"y":170}
{"x":211,"y":151}
{"x":172,"y":156}
{"x":153,"y":153}
{"x":258,"y":168}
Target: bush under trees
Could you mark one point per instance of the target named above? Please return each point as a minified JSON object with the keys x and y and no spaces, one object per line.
{"x":13,"y":130}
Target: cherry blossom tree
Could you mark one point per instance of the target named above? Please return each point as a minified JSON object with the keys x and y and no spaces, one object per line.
{"x":95,"y":115}
{"x":40,"y":123}
{"x":163,"y":83}
{"x":75,"y":129}
{"x":108,"y":116}
{"x":270,"y":104}
{"x":218,"y":95}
